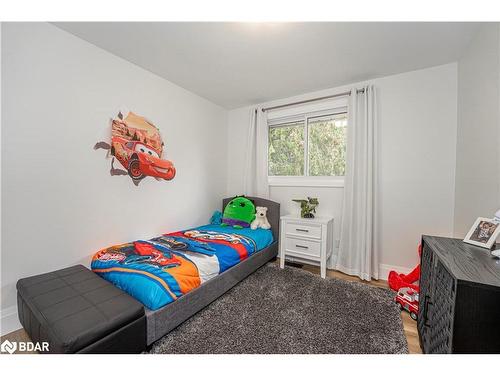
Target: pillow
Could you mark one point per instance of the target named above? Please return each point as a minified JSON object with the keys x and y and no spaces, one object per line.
{"x":239,"y":212}
{"x":216,"y":218}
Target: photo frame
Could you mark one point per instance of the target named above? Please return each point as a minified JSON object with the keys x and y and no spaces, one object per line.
{"x":483,"y":233}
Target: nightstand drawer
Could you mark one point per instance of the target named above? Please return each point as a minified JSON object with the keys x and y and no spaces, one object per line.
{"x":303,"y":230}
{"x":298,"y":247}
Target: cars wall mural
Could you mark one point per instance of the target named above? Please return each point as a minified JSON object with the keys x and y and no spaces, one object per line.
{"x":138,"y":148}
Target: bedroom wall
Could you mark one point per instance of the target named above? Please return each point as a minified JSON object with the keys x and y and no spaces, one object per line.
{"x":417,"y":120}
{"x":59,"y":203}
{"x":478,"y":138}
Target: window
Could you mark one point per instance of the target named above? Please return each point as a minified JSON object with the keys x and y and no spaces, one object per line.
{"x":313,"y":146}
{"x":286,"y":149}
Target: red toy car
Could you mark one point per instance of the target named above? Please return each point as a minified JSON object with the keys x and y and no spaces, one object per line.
{"x":407,"y":298}
{"x":140,"y":160}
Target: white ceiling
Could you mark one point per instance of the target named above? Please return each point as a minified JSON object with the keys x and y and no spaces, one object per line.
{"x":237,"y":64}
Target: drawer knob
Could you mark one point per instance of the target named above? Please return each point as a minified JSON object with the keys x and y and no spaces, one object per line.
{"x":302,"y":230}
{"x":302,"y":247}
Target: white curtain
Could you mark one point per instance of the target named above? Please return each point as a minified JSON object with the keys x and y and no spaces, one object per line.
{"x":255,"y":172}
{"x":358,"y":249}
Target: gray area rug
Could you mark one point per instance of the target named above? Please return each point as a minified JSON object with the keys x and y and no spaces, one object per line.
{"x":292,"y":311}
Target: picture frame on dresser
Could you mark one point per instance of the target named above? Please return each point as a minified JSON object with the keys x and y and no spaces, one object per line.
{"x":483,"y":233}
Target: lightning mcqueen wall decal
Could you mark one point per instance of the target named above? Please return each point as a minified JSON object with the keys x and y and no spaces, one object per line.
{"x":137,"y":145}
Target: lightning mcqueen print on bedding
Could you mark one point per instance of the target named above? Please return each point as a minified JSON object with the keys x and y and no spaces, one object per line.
{"x":160,"y":270}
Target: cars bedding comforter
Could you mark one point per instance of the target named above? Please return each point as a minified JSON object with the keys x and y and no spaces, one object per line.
{"x":160,"y":270}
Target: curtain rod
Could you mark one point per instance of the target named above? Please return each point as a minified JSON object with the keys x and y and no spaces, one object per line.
{"x":347,"y":93}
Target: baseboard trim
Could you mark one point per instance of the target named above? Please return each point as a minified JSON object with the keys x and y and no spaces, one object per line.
{"x":9,"y":322}
{"x":384,"y":269}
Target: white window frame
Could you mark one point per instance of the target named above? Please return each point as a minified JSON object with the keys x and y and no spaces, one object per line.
{"x":306,"y":180}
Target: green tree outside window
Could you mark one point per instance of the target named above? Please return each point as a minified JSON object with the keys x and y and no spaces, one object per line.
{"x":326,"y":145}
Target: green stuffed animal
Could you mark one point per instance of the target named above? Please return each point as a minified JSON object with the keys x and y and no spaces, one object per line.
{"x":239,"y":213}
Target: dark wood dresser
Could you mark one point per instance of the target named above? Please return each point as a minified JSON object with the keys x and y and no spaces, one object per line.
{"x":459,"y":307}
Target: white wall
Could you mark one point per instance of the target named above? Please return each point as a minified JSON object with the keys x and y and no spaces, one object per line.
{"x":59,"y":203}
{"x":478,"y":138}
{"x":417,"y":119}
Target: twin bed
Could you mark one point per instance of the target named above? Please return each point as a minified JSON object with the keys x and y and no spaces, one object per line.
{"x":177,"y":274}
{"x":142,"y":290}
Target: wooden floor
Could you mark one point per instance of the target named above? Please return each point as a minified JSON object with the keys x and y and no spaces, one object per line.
{"x":409,"y":325}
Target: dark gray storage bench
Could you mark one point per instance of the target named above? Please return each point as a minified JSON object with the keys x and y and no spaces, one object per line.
{"x":76,"y":311}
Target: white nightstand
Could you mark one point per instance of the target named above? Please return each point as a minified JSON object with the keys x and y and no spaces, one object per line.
{"x":306,"y":240}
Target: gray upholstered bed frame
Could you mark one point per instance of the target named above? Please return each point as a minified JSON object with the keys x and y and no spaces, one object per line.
{"x":160,"y":322}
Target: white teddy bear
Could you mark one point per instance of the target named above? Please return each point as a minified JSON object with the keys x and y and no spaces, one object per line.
{"x":260,"y":220}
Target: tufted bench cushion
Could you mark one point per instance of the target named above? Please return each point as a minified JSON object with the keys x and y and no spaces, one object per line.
{"x":77,"y":311}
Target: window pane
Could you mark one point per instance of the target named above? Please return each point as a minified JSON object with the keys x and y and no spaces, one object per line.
{"x":286,"y":149}
{"x":327,"y":145}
